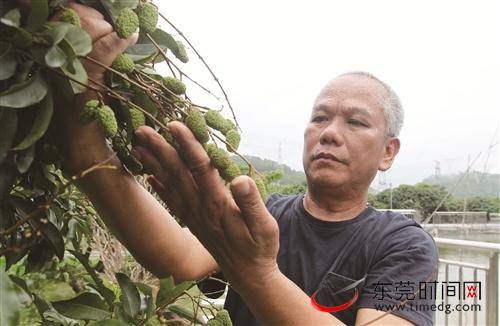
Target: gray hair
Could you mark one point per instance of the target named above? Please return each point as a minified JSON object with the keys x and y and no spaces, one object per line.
{"x":391,"y":105}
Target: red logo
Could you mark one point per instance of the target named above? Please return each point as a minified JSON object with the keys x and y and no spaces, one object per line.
{"x":337,"y":308}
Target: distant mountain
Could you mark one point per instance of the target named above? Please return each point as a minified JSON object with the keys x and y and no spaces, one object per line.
{"x":265,"y":165}
{"x":474,"y":184}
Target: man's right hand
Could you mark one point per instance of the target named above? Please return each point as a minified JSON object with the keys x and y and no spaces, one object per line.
{"x":83,"y":145}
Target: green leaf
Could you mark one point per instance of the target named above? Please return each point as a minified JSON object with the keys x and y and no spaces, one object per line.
{"x":8,"y":123}
{"x":8,"y":62}
{"x":44,"y":112}
{"x":144,"y":49}
{"x":186,"y":313}
{"x":24,"y":94}
{"x":21,"y":283}
{"x":53,"y":236}
{"x":55,"y":57}
{"x":24,"y":159}
{"x":9,"y":301}
{"x":169,"y":291}
{"x":88,"y":306}
{"x":79,"y":74}
{"x":130,"y":295}
{"x":56,"y":31}
{"x":146,"y":290}
{"x":12,"y":18}
{"x":38,"y":256}
{"x":79,"y":40}
{"x":38,"y":14}
{"x":40,"y":304}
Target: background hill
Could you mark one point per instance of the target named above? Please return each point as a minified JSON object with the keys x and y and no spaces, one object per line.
{"x":474,"y":184}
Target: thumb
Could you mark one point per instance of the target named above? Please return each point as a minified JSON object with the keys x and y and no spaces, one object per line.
{"x":249,"y":201}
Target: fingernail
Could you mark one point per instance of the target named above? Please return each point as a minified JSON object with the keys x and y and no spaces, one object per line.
{"x":140,"y":134}
{"x":242,"y":186}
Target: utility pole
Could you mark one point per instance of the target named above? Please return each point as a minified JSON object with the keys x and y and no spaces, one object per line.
{"x":390,"y":195}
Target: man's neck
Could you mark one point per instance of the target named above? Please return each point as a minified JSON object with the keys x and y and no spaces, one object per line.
{"x":328,"y":207}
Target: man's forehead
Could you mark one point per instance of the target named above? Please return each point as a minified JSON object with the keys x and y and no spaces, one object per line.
{"x":350,"y":90}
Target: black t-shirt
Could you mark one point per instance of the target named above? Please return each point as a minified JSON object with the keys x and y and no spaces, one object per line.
{"x":394,"y":254}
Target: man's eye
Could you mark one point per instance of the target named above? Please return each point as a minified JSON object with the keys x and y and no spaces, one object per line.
{"x":319,"y":118}
{"x":356,"y":122}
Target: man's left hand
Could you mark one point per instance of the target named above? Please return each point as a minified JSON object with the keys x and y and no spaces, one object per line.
{"x":237,"y":230}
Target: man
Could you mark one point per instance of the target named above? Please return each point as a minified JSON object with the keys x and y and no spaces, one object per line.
{"x":326,"y":244}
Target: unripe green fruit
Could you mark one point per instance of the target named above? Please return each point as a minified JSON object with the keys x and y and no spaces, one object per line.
{"x":174,"y":85}
{"x":181,"y":53}
{"x":126,"y":23}
{"x":218,"y":156}
{"x":148,"y":17}
{"x":233,"y":138}
{"x":68,"y":15}
{"x":123,"y":64}
{"x":261,"y":186}
{"x":107,"y":120}
{"x":230,"y":172}
{"x":137,"y":117}
{"x":229,"y":125}
{"x":215,"y":120}
{"x":223,"y":316}
{"x":197,"y":124}
{"x":88,"y":114}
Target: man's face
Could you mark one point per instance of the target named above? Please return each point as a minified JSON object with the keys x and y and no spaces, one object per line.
{"x":345,"y":139}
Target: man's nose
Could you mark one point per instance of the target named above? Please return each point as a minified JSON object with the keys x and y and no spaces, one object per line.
{"x":332,"y":134}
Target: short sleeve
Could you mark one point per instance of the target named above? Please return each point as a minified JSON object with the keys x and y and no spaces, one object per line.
{"x":400,"y":275}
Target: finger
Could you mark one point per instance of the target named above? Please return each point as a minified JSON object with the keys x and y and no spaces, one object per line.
{"x":149,"y":161}
{"x":170,"y":161}
{"x":85,"y":11}
{"x":106,"y":49}
{"x":96,"y":27}
{"x":253,"y":210}
{"x":169,"y":196}
{"x":196,"y":158}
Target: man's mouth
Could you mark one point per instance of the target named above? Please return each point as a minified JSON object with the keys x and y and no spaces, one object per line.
{"x":328,"y":156}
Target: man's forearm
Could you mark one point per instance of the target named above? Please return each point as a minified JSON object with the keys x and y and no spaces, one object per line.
{"x":278,"y":301}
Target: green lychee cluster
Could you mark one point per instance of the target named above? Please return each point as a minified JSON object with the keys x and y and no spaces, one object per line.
{"x":103,"y":114}
{"x":221,"y":319}
{"x":228,"y":170}
{"x":123,"y":64}
{"x":233,"y":140}
{"x":216,"y":121}
{"x":126,"y":23}
{"x":148,"y":17}
{"x":68,"y":15}
{"x":174,"y":85}
{"x":197,"y":124}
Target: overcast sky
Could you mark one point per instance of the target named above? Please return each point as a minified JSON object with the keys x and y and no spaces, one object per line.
{"x":273,"y":57}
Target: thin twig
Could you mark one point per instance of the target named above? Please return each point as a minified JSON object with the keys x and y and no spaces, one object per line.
{"x":205,"y":63}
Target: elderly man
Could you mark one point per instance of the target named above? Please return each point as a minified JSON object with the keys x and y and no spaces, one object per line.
{"x":319,"y":258}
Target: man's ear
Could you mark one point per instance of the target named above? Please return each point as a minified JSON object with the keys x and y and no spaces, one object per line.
{"x":391,"y":149}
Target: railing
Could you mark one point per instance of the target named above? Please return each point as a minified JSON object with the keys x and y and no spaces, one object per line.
{"x":491,"y":271}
